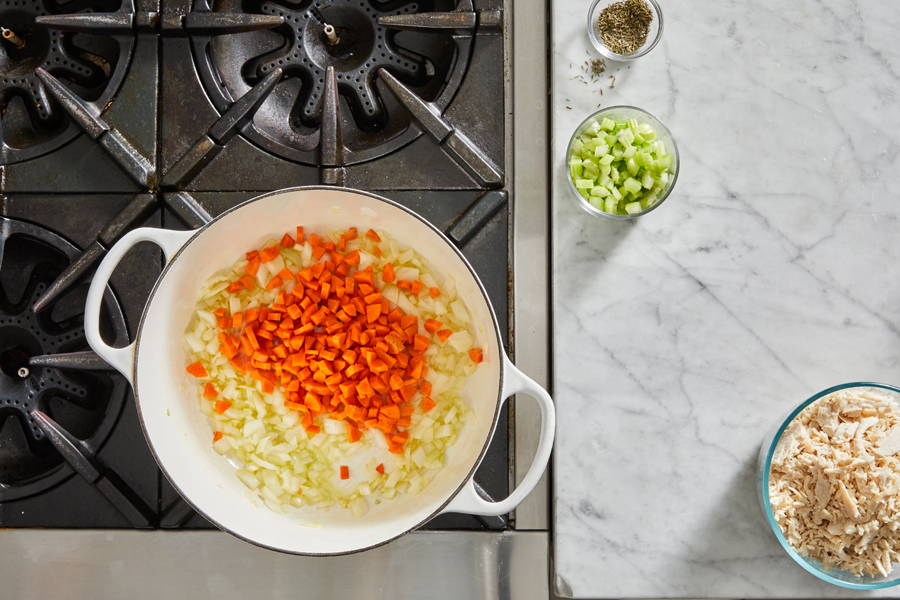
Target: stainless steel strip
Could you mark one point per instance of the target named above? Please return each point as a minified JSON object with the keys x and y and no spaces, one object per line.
{"x":99,"y":565}
{"x":531,"y":319}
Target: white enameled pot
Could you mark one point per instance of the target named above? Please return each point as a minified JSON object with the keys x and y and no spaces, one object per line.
{"x":179,"y":435}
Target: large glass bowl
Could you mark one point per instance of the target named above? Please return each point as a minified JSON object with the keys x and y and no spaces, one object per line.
{"x":653,"y":36}
{"x":620,"y":113}
{"x":767,"y":451}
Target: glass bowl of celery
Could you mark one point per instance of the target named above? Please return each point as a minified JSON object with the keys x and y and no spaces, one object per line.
{"x":621,"y":163}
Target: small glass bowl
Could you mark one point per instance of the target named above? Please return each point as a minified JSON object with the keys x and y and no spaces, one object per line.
{"x":653,"y":36}
{"x":621,"y":113}
{"x":767,"y":451}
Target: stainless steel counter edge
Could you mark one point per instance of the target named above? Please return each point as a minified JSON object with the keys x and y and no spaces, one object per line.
{"x":97,"y":564}
{"x":531,"y":214}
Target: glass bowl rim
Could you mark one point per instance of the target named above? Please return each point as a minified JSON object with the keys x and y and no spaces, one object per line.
{"x":590,"y":208}
{"x":614,"y":56}
{"x":767,"y":505}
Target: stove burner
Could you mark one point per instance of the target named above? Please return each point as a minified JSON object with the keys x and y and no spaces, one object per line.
{"x":93,"y":66}
{"x":344,"y":35}
{"x":87,"y":404}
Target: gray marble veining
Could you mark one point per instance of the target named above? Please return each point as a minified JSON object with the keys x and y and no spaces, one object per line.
{"x":771,"y":273}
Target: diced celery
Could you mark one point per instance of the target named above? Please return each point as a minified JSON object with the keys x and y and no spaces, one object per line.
{"x":577,"y":145}
{"x":619,"y":166}
{"x":649,"y":201}
{"x":631,"y":185}
{"x":616,"y":193}
{"x":632,"y":167}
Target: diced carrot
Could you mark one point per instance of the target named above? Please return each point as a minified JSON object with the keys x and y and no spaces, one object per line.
{"x":380,"y":468}
{"x":387,"y":273}
{"x":248,"y":281}
{"x":234,"y":287}
{"x":420,"y":343}
{"x":476,"y":355}
{"x":333,"y":345}
{"x":209,"y":391}
{"x":392,"y":411}
{"x":269,"y":254}
{"x":345,"y":472}
{"x":217,"y":435}
{"x":197,"y":369}
{"x":373,"y":311}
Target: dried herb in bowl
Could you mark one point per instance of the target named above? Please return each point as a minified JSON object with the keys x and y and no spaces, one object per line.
{"x":624,"y":25}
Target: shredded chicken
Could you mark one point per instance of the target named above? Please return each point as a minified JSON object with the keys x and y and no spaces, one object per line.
{"x":835,"y":482}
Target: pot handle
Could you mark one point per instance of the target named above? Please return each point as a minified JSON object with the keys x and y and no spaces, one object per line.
{"x":170,"y":241}
{"x":468,"y":500}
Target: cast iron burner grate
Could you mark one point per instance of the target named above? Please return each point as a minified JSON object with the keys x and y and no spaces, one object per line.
{"x":344,"y":35}
{"x":86,"y":404}
{"x":92,"y":65}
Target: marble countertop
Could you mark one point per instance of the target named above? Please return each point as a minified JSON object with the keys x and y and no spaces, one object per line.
{"x":772,"y":272}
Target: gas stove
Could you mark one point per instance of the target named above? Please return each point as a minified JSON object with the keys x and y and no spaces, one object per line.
{"x":116,"y":114}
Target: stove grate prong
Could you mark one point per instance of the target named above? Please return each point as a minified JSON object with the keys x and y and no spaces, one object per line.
{"x":460,"y":148}
{"x":213,"y":141}
{"x":187,"y":209}
{"x":135,"y":212}
{"x":439,"y":21}
{"x":83,"y":462}
{"x":76,"y":361}
{"x":223,"y":22}
{"x":476,"y":217}
{"x":428,"y":21}
{"x":331,"y":142}
{"x":88,"y":118}
{"x":177,"y":514}
{"x":116,"y":22}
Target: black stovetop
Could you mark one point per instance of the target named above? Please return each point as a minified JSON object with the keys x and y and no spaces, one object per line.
{"x":174,"y":123}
